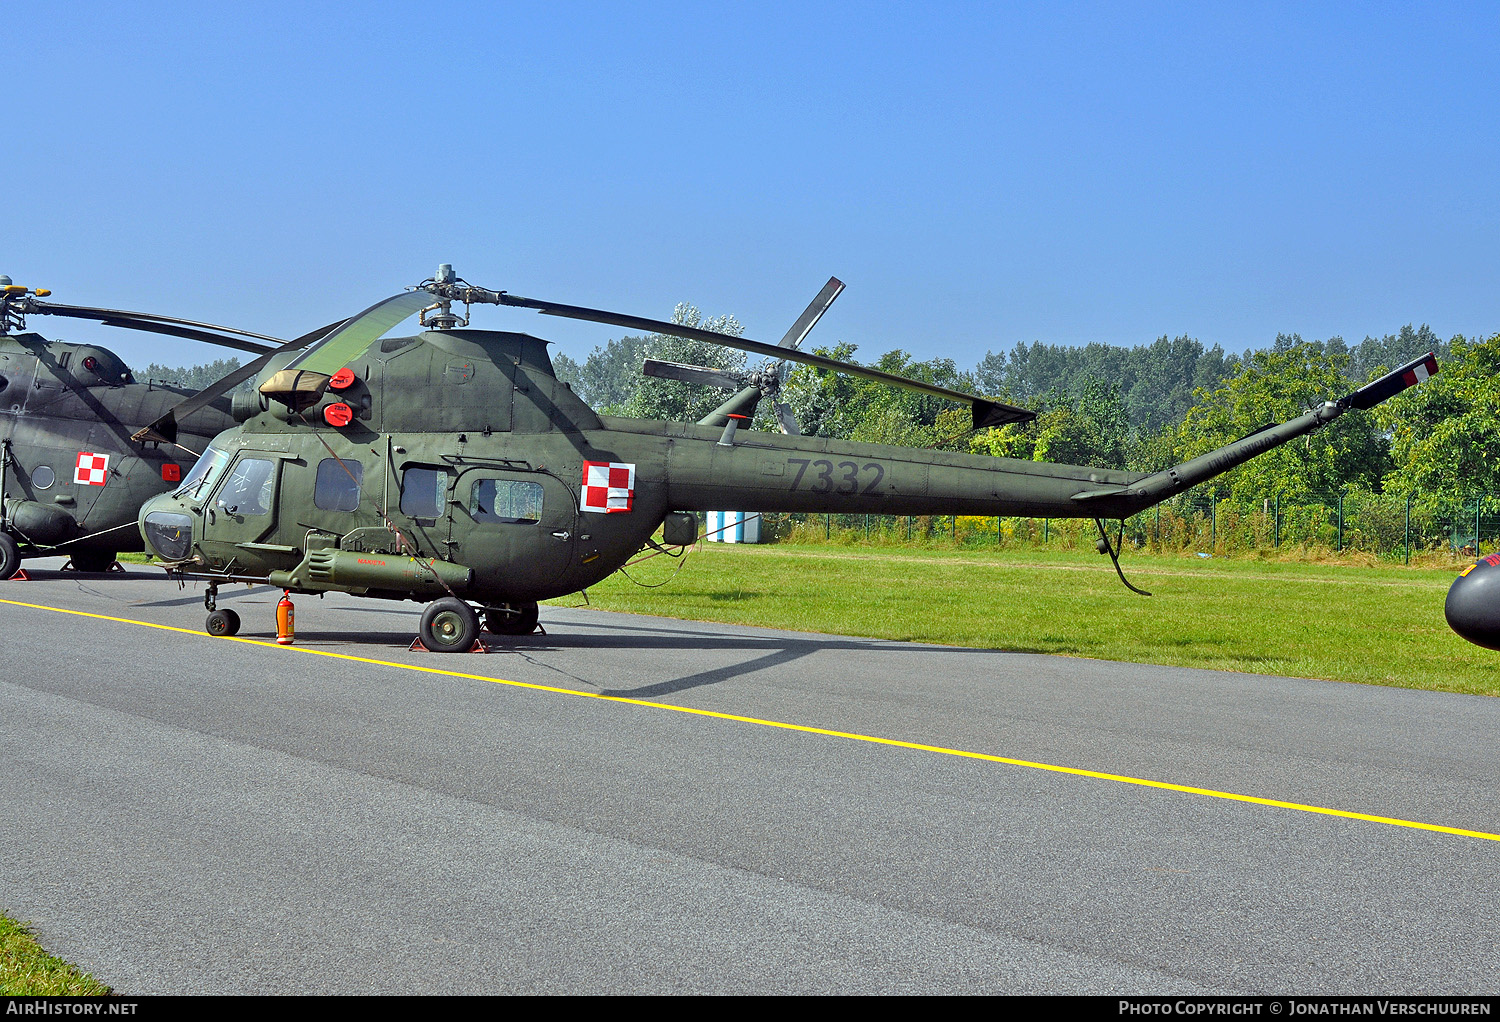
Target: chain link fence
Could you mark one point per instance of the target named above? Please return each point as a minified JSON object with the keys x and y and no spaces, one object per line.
{"x":1386,"y":526}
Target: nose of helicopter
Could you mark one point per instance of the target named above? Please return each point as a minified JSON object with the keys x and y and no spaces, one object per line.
{"x":166,"y":527}
{"x":1473,"y":604}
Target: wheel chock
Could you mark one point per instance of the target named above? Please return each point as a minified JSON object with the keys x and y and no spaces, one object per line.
{"x":114,"y":566}
{"x":19,"y":576}
{"x":417,"y":647}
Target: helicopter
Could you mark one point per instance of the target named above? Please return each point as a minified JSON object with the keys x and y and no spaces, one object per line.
{"x":71,"y":478}
{"x":1472,"y":608}
{"x":452,"y":467}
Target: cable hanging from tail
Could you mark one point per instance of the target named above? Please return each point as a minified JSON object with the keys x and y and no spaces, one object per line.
{"x":1105,"y":547}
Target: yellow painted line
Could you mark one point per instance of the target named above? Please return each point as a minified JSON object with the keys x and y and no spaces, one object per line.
{"x":784,"y":726}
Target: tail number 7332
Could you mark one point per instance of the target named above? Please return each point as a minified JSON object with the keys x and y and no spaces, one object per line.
{"x":835,"y":477}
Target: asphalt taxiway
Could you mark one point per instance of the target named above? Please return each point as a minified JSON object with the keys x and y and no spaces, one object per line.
{"x":630,"y":804}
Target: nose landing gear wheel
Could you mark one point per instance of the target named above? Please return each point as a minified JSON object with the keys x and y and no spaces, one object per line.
{"x":222,"y":622}
{"x":511,"y":618}
{"x":449,"y":626}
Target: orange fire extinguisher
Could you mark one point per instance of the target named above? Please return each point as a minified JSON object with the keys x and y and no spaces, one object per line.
{"x":286,"y":619}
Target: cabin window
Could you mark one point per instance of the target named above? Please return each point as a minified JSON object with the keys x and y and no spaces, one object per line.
{"x":506,"y":501}
{"x":203,"y":474}
{"x":43,"y":477}
{"x":423,"y":491}
{"x":247,"y":491}
{"x":337,"y":487}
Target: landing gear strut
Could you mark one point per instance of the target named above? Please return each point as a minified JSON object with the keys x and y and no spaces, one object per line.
{"x":220,"y":622}
{"x":511,"y":618}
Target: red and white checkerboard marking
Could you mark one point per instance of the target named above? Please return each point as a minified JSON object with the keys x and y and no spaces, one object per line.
{"x":608,"y":486}
{"x":92,"y":469}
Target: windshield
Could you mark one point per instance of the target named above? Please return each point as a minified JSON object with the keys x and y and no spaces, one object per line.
{"x":203,"y":474}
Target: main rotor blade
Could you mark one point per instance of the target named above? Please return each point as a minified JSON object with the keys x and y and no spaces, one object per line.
{"x":349,"y":341}
{"x":164,"y":428}
{"x":986,"y":411}
{"x":191,"y":329}
{"x":684,"y":373}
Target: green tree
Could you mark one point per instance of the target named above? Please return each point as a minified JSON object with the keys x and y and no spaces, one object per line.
{"x":824,"y":403}
{"x":192,"y":377}
{"x":685,"y":402}
{"x":1089,"y":429}
{"x":1156,"y":380}
{"x":608,"y":378}
{"x":1445,"y":434}
{"x":849,"y":408}
{"x":1273,"y":386}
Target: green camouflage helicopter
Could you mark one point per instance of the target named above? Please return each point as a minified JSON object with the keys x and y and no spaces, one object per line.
{"x":72,"y":479}
{"x":453,"y":467}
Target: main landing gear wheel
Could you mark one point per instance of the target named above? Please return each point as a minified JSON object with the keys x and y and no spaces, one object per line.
{"x":94,"y":561}
{"x":222,"y":622}
{"x":449,"y":626}
{"x":10,"y":556}
{"x":511,"y":618}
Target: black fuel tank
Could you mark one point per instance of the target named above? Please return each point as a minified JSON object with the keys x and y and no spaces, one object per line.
{"x":1473,"y":604}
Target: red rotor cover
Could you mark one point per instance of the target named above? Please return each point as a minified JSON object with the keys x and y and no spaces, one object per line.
{"x":338,"y":414}
{"x":341,"y":379}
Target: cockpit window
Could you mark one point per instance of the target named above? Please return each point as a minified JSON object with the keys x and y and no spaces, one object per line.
{"x":248,"y":490}
{"x":202,"y":475}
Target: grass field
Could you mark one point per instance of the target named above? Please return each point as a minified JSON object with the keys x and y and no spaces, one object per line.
{"x":1373,"y":624}
{"x":27,"y":970}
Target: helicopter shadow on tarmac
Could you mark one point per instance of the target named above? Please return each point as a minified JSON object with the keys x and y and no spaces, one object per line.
{"x":778,"y":651}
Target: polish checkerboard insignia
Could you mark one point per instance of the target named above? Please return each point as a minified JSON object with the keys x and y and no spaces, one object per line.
{"x":608,"y":486}
{"x":92,"y":469}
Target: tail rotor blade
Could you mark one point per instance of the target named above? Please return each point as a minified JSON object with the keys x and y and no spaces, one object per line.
{"x":814,"y":312}
{"x":684,"y":373}
{"x":787,"y":420}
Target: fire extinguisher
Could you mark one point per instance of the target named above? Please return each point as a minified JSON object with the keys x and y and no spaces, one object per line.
{"x":286,"y":619}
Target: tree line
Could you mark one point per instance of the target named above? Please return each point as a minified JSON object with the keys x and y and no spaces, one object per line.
{"x":1141,"y":408}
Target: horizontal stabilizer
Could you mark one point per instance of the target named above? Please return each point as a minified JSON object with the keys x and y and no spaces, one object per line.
{"x":1114,"y":491}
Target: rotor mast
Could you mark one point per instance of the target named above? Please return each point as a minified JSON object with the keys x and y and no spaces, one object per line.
{"x":440,"y":315}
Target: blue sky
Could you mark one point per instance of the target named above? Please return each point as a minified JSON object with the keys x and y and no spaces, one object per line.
{"x":979,"y":175}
